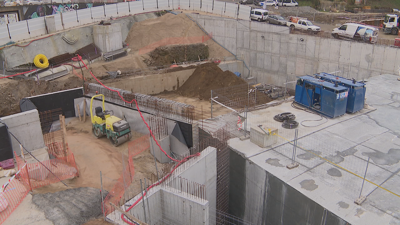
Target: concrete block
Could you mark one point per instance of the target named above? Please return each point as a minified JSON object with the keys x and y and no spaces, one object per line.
{"x":253,"y":59}
{"x":378,"y":52}
{"x":260,"y":42}
{"x":389,"y":57}
{"x":300,"y":63}
{"x":291,"y":65}
{"x":355,"y":49}
{"x":324,"y":50}
{"x":267,"y":61}
{"x":282,"y":62}
{"x":219,"y":28}
{"x":50,"y":24}
{"x":156,"y":151}
{"x":262,"y":139}
{"x":239,"y":39}
{"x":276,"y":44}
{"x":260,"y":60}
{"x":108,"y":37}
{"x":230,"y":28}
{"x":344,"y":53}
{"x":268,"y":45}
{"x":310,"y":46}
{"x":26,"y":127}
{"x":253,"y":40}
{"x":246,"y":39}
{"x":275,"y":63}
{"x":334,"y":50}
{"x":366,"y":56}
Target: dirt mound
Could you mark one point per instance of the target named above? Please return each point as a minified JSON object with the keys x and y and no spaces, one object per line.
{"x":176,"y":54}
{"x":208,"y":77}
{"x":14,"y":90}
{"x":168,"y":26}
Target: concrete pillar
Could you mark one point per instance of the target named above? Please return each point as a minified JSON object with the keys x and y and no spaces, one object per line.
{"x":108,"y":37}
{"x":50,"y":24}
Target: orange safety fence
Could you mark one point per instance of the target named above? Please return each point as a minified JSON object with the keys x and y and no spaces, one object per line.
{"x":12,"y":193}
{"x":114,"y":196}
{"x":175,"y":41}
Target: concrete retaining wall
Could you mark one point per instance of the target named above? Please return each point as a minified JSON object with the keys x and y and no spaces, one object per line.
{"x":168,"y":206}
{"x":275,"y":56}
{"x":26,"y":127}
{"x":258,"y":197}
{"x":155,"y":83}
{"x":55,"y":45}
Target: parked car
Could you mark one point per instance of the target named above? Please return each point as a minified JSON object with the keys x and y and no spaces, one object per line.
{"x":268,"y":3}
{"x":245,"y":2}
{"x":302,"y":24}
{"x":33,"y":2}
{"x":258,"y":14}
{"x":355,"y":31}
{"x":275,"y":19}
{"x":13,"y":3}
{"x":288,"y":3}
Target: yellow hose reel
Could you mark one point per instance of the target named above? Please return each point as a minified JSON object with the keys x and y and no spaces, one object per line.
{"x":41,"y":61}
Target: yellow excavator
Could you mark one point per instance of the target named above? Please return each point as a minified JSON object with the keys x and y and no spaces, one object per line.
{"x":105,"y":124}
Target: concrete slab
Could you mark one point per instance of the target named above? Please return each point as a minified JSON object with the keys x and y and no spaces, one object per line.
{"x":333,"y":155}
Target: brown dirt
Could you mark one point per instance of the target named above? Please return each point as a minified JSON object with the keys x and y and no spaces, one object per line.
{"x":208,"y":77}
{"x":14,"y":90}
{"x":171,"y":54}
{"x":150,"y":31}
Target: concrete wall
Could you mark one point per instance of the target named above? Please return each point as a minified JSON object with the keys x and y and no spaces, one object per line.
{"x":205,"y":172}
{"x":258,"y":197}
{"x":108,"y":37}
{"x":155,"y":83}
{"x":168,"y":206}
{"x":55,"y":45}
{"x":275,"y":56}
{"x":26,"y":127}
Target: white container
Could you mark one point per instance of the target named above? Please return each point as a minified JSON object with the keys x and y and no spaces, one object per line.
{"x":261,"y":138}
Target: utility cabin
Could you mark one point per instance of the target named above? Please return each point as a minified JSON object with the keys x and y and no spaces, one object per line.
{"x":321,"y":96}
{"x":356,"y":98}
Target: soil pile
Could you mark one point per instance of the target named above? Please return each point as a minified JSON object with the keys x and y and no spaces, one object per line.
{"x":177,"y":54}
{"x":208,"y":77}
{"x":168,"y":26}
{"x":14,"y":90}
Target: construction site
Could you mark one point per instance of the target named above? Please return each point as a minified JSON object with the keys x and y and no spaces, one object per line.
{"x":191,"y":113}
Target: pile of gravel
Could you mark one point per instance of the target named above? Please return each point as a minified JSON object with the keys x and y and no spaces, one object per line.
{"x":70,"y":207}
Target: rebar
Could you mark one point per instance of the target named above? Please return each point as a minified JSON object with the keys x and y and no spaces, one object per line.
{"x":157,"y":106}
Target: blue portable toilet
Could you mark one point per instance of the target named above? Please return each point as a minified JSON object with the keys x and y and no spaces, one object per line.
{"x":321,"y":96}
{"x":356,"y":98}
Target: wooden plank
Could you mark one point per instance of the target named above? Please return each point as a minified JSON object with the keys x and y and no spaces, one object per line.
{"x":79,"y":112}
{"x":84,"y":110}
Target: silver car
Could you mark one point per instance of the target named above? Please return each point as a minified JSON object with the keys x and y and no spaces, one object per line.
{"x":275,"y":19}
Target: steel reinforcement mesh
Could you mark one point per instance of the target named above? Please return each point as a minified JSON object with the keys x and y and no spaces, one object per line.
{"x":116,"y":195}
{"x":157,"y":106}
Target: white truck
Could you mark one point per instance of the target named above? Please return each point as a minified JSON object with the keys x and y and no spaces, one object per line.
{"x":302,"y":24}
{"x":391,"y":24}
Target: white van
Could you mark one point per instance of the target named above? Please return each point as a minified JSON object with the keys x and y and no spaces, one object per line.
{"x":355,"y":31}
{"x":258,"y":14}
{"x":288,"y":3}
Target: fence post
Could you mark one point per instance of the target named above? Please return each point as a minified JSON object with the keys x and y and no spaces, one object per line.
{"x":116,"y":5}
{"x":27,"y":25}
{"x":157,"y":3}
{"x":8,"y":29}
{"x":27,"y":175}
{"x":104,"y":9}
{"x":143,"y":4}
